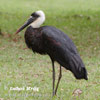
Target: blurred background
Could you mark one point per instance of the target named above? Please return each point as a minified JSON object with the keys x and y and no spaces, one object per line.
{"x":79,"y":19}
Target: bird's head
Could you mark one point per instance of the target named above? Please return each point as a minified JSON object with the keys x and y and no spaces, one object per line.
{"x":36,"y":19}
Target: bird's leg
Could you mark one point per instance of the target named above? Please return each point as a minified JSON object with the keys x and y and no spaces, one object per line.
{"x":60,"y":75}
{"x":53,"y":75}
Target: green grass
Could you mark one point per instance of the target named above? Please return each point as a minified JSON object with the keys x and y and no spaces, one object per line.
{"x":19,"y":67}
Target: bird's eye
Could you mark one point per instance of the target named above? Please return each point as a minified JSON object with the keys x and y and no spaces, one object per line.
{"x":34,"y":15}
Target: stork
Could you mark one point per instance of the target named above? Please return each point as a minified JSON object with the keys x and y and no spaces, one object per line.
{"x":55,"y":43}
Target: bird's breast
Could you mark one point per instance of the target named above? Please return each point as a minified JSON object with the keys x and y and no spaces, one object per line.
{"x":33,"y":39}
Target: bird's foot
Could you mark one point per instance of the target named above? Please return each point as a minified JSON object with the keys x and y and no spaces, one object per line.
{"x":54,"y":94}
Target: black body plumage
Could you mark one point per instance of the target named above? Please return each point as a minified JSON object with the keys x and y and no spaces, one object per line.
{"x":55,"y":43}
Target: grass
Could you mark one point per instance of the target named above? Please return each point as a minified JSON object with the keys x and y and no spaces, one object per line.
{"x":20,"y":67}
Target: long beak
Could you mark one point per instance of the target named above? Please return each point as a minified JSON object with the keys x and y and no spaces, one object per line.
{"x":29,"y":21}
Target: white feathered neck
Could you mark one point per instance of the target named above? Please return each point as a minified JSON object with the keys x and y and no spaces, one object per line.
{"x":39,"y":21}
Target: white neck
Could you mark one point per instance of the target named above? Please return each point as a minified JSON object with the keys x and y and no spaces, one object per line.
{"x":39,"y":21}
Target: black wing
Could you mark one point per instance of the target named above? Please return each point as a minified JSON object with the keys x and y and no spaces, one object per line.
{"x":61,"y":49}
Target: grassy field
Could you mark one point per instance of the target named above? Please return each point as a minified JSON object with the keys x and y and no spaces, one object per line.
{"x":19,"y":67}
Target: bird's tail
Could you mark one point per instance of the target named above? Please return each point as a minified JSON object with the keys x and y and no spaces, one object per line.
{"x":77,"y":67}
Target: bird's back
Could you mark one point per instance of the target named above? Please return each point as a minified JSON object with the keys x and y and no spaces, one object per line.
{"x":61,"y":49}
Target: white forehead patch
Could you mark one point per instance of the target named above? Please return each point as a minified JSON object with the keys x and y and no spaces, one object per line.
{"x":39,"y":21}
